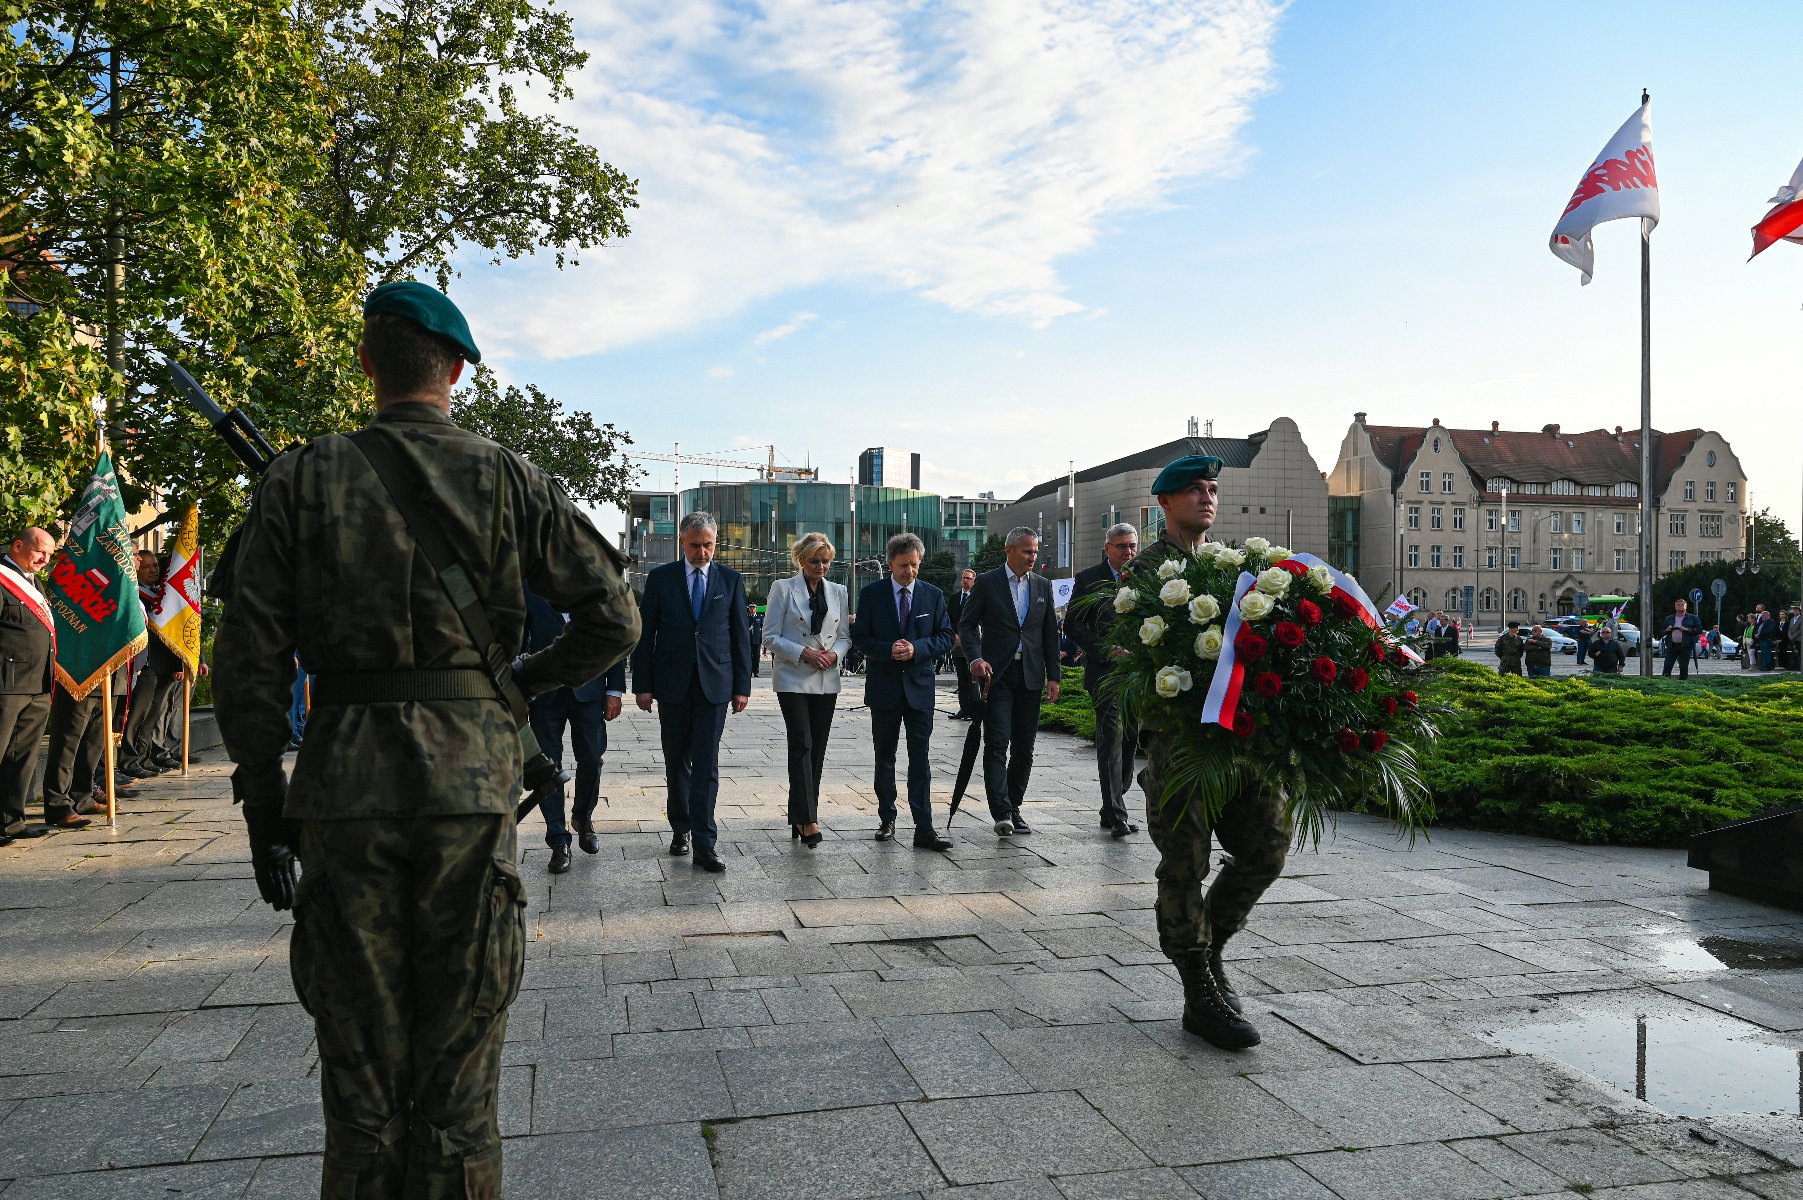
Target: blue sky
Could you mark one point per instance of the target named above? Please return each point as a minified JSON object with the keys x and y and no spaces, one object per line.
{"x":1010,"y":235}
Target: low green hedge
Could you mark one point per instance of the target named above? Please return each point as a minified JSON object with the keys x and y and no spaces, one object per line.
{"x":1616,"y":759}
{"x":1623,"y":760}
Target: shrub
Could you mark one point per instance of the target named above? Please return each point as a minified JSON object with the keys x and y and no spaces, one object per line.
{"x":1075,"y":711}
{"x":1621,"y":760}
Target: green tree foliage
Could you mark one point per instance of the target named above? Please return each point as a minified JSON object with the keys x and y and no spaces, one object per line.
{"x":992,"y":555}
{"x":155,"y":145}
{"x":583,"y":456}
{"x":431,"y":147}
{"x":1776,"y":582}
{"x":941,"y":570}
{"x":1618,"y":764}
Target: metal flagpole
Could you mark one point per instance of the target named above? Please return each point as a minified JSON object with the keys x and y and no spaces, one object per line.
{"x":187,"y":714}
{"x":1646,"y":441}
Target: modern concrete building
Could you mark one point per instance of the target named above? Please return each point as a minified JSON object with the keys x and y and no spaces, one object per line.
{"x":1427,"y":504}
{"x":965,"y":524}
{"x":1270,"y":487}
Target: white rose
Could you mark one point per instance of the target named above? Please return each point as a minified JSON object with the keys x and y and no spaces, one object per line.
{"x":1321,"y":579}
{"x":1151,"y":630}
{"x":1230,"y":556}
{"x":1204,"y":608}
{"x":1279,"y":553}
{"x":1172,"y":680}
{"x":1209,"y":550}
{"x":1208,"y":642}
{"x":1170,"y":568}
{"x":1274,"y":582}
{"x":1175,"y":593}
{"x":1257,"y":545}
{"x":1124,"y":600}
{"x":1256,"y":606}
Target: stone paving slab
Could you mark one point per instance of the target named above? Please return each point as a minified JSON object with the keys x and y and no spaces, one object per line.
{"x":864,"y":1020}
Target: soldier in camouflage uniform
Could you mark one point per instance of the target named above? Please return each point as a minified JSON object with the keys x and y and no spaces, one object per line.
{"x":409,"y":934}
{"x":1508,"y":650}
{"x":1253,"y":827}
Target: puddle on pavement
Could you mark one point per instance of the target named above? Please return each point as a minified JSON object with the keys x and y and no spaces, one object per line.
{"x":1721,"y":953}
{"x":1688,"y":1064}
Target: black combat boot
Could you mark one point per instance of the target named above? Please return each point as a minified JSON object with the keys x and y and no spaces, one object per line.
{"x":1205,"y":1011}
{"x":1220,"y":975}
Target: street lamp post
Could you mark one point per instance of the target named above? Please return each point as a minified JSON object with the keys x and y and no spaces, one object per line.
{"x":1502,"y":530}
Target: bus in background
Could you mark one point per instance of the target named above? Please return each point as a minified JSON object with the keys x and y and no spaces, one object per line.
{"x":1600,"y":608}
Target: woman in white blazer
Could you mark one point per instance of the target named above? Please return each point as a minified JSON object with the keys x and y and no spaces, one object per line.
{"x":807,"y":629}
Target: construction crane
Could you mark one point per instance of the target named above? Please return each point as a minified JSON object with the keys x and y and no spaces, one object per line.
{"x":767,"y":470}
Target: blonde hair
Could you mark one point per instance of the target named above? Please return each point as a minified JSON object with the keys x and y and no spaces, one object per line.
{"x":808,"y":547}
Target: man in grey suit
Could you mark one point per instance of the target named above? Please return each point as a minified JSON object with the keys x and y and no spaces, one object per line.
{"x":1088,"y":626}
{"x":1010,"y":631}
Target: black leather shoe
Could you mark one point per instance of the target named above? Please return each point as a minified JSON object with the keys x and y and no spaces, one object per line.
{"x":926,"y":839}
{"x":1121,"y":829}
{"x":585,"y":837}
{"x":6,"y":839}
{"x":679,"y":843}
{"x":560,"y":860}
{"x":707,"y":860}
{"x":1213,"y":957}
{"x":1021,"y":828}
{"x":169,"y":764}
{"x":30,"y":831}
{"x":1107,"y":824}
{"x":885,"y":831}
{"x":136,"y":772}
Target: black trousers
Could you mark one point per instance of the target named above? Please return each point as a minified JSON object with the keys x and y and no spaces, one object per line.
{"x":1680,"y":655}
{"x":690,"y":730}
{"x":552,"y":714}
{"x":886,"y":725}
{"x":970,"y":696}
{"x":1010,"y":727}
{"x":22,"y":720}
{"x":74,"y":755}
{"x":808,"y":720}
{"x":1114,"y":760}
{"x":150,"y":699}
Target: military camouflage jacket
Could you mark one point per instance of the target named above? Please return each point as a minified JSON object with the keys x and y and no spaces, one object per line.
{"x":1149,"y":560}
{"x":326,"y":566}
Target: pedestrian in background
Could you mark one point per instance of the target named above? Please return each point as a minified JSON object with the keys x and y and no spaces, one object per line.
{"x":807,"y":629}
{"x":1607,"y":655}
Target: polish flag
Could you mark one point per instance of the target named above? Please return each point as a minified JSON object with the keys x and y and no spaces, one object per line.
{"x":1782,"y":223}
{"x":1620,"y":183}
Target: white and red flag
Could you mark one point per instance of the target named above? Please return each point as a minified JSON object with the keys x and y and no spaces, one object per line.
{"x":1620,"y":183}
{"x":176,"y":617}
{"x":1783,"y":222}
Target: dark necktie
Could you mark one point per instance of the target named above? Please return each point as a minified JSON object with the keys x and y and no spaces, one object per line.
{"x":905,"y":610}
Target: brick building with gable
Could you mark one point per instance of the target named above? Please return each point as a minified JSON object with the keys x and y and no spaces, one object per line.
{"x":1419,"y":510}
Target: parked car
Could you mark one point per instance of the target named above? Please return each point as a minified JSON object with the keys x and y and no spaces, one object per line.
{"x":1561,"y":643}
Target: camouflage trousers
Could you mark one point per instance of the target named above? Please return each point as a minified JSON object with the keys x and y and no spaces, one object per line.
{"x":1253,"y":829}
{"x":409,"y":944}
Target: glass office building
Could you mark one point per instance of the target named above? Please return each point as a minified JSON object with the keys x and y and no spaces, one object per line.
{"x":760,"y":521}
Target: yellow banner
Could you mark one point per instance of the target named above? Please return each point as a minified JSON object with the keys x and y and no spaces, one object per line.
{"x":176,"y":618}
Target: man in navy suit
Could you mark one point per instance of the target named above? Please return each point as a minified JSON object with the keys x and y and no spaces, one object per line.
{"x":1010,"y":631}
{"x":1088,"y":625}
{"x":693,"y":658}
{"x":584,"y":711}
{"x":903,"y":627}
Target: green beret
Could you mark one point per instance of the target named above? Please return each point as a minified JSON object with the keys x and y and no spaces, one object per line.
{"x":1186,"y":471}
{"x":427,"y":307}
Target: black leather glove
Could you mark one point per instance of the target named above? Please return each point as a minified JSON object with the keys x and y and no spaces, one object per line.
{"x":273,"y":838}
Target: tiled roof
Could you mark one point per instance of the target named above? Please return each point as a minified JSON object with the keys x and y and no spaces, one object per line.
{"x":1592,"y":457}
{"x":1234,"y":452}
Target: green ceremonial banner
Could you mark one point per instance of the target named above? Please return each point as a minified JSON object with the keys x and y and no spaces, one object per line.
{"x":93,"y":590}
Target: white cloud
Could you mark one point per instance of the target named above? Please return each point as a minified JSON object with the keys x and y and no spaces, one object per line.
{"x":719,"y":371}
{"x":793,"y":325}
{"x":957,"y":152}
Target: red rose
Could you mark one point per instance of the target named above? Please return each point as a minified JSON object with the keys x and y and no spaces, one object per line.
{"x":1242,"y":723}
{"x":1289,"y":634}
{"x":1348,"y":740}
{"x":1293,"y":567}
{"x":1323,"y":669}
{"x":1345,"y":605}
{"x":1250,"y":646}
{"x":1378,"y":652}
{"x":1397,"y":657}
{"x":1309,"y":611}
{"x":1374,"y":740}
{"x":1410,"y":700}
{"x":1267,"y":684}
{"x":1388,"y":704}
{"x":1357,"y":678}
